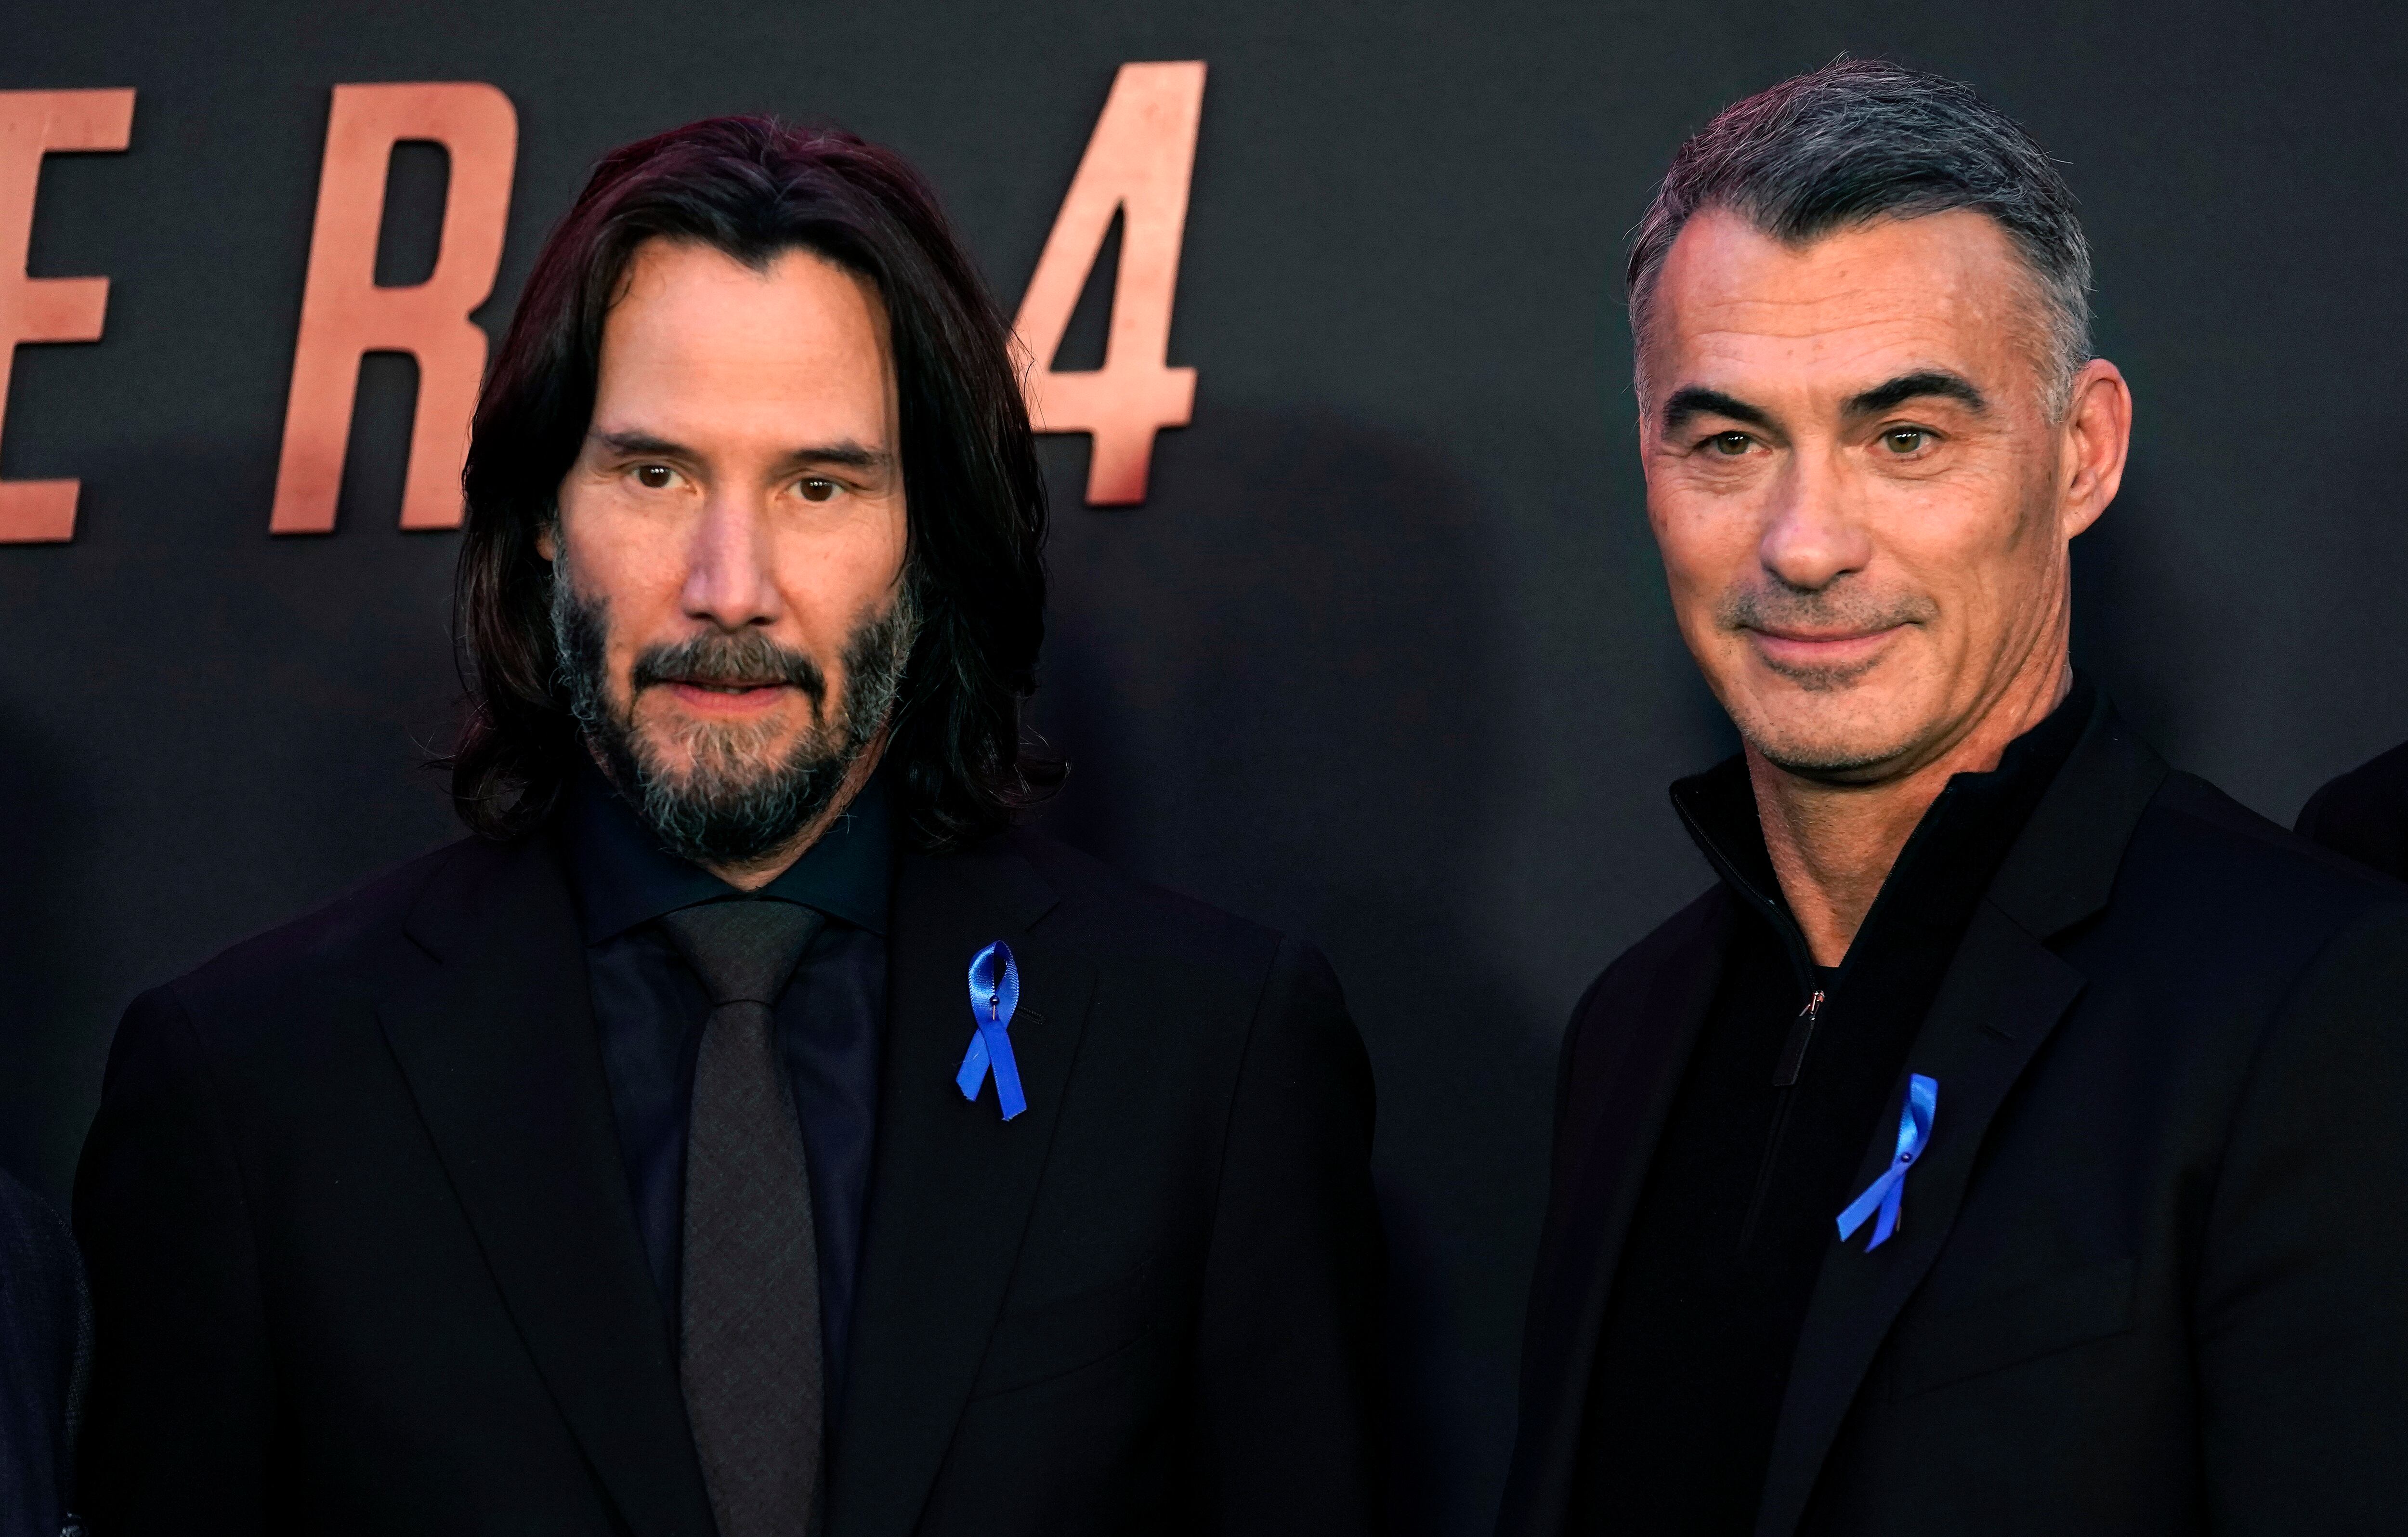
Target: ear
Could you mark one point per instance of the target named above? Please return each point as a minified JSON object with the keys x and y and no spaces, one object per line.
{"x":2098,"y":433}
{"x":547,"y":540}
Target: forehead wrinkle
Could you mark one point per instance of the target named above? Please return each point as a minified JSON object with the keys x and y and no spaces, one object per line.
{"x":1849,"y":293}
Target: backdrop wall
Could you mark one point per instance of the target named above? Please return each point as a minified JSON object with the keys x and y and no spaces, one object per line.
{"x":1384,"y":658}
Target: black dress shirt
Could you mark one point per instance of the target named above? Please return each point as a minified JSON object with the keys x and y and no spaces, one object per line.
{"x":650,"y":1007}
{"x":1767,"y":1133}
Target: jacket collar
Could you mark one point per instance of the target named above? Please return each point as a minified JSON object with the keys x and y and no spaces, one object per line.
{"x":2003,"y":995}
{"x":622,"y":876}
{"x":495,"y":1037}
{"x":1940,"y":873}
{"x":953,"y":1183}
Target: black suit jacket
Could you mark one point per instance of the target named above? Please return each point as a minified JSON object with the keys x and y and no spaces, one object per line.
{"x":45,"y":1354}
{"x":2364,"y":813}
{"x":365,"y":1260}
{"x":2153,"y":1269}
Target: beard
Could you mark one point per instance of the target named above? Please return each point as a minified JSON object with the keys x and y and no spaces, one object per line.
{"x":716,"y":793}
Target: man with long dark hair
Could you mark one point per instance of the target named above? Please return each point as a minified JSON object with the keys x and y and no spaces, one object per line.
{"x":748,"y":1129}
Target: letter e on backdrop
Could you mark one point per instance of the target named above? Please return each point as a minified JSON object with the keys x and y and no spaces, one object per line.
{"x":1138,"y":163}
{"x":33,"y":123}
{"x":345,"y":314}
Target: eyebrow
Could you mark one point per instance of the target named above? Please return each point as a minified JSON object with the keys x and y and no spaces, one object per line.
{"x":1922,"y":382}
{"x":844,"y":452}
{"x":1694,"y":400}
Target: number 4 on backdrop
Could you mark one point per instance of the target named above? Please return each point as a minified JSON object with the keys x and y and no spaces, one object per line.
{"x":1138,"y":163}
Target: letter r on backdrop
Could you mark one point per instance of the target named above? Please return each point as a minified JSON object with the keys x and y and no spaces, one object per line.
{"x":1138,"y":163}
{"x":33,"y":123}
{"x":345,"y":314}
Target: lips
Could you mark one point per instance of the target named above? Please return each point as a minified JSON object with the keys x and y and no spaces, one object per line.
{"x":722,"y":696}
{"x":1785,"y":649}
{"x":1825,"y":637}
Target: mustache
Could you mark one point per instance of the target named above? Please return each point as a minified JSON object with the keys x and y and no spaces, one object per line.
{"x":747,"y":656}
{"x":1775,"y":606}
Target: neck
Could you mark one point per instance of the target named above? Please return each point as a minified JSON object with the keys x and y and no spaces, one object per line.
{"x":753,"y":874}
{"x":1833,"y":843}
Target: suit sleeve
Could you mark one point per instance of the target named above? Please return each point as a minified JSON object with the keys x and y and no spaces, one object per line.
{"x":1287,"y":1339}
{"x":2302,"y":1337}
{"x":179,"y":1422}
{"x":43,"y":1324}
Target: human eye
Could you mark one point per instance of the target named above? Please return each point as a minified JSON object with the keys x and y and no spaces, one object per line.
{"x":1905,"y":442}
{"x":817,"y":488}
{"x":652,"y":477}
{"x":1728,"y":445}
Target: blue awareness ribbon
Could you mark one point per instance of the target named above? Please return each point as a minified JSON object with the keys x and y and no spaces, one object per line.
{"x":995,"y":995}
{"x":1883,"y":1194}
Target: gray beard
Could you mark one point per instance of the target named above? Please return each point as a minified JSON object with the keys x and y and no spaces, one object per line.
{"x":735,"y":804}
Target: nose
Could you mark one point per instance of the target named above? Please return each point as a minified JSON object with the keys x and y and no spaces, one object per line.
{"x":1812,"y":533}
{"x":729,"y":580}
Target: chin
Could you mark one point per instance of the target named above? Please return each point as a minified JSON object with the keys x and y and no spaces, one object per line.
{"x":693,"y":753}
{"x":1839,"y":733}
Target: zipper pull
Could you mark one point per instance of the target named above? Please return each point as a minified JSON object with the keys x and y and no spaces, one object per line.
{"x":1793,"y":1051}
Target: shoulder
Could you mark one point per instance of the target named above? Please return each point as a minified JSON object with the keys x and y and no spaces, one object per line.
{"x":1182,"y":965}
{"x":1681,"y":945}
{"x":1169,"y":979}
{"x":1111,"y":914}
{"x":2212,"y":899}
{"x":2364,"y":813}
{"x":314,"y":962}
{"x":2227,"y":854}
{"x":1646,"y":990}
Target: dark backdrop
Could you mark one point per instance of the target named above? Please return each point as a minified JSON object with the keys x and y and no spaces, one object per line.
{"x":1385,"y":659}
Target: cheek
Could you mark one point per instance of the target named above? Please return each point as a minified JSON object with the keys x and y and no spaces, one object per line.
{"x":834,"y":578}
{"x":1705,"y":545}
{"x":1976,"y":563}
{"x":635,"y":566}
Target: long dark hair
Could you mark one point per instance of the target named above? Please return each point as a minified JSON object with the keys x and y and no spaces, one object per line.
{"x":754,"y":188}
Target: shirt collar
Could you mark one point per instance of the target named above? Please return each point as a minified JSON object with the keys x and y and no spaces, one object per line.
{"x":1947,"y":862}
{"x":623,"y":876}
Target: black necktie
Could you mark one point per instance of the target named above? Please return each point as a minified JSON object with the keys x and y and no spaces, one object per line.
{"x":751,"y":1286}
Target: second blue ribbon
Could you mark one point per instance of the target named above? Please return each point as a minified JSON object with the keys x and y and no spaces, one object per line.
{"x":1886,"y":1193}
{"x":995,"y":995}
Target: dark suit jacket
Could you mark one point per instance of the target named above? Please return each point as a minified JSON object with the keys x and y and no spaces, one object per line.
{"x":2153,"y":1269}
{"x":2364,"y":813}
{"x":45,"y":1354}
{"x":365,"y":1260}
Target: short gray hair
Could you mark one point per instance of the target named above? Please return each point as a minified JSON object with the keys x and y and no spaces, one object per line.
{"x":1859,"y":139}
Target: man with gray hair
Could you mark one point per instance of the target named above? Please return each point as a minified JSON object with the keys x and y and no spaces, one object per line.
{"x":2011,"y":1139}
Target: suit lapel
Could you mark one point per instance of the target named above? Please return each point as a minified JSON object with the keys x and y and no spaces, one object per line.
{"x":953,"y":1184}
{"x":497,"y":1044}
{"x":1619,"y":1096}
{"x":2003,"y":995}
